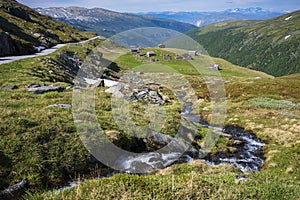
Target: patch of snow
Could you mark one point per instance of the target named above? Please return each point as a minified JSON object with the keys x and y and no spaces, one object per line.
{"x":198,"y":23}
{"x":287,"y":37}
{"x":288,"y":18}
{"x":41,"y":48}
{"x":107,"y":82}
{"x":92,"y":81}
{"x":235,"y":10}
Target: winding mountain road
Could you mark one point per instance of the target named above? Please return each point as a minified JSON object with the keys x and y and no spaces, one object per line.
{"x":9,"y":59}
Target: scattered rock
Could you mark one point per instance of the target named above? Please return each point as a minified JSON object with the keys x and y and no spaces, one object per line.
{"x":237,"y":142}
{"x":70,"y":87}
{"x":33,"y":85}
{"x":37,"y":35}
{"x":115,"y":90}
{"x":184,"y":159}
{"x":10,"y":87}
{"x":135,"y":94}
{"x":240,"y":179}
{"x":113,"y":134}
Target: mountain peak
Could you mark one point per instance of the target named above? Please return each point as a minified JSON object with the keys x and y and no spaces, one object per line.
{"x":246,"y":10}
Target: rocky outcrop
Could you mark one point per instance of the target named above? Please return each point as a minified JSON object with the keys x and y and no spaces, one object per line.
{"x":9,"y":46}
{"x":67,"y":66}
{"x":19,"y":12}
{"x":66,"y":62}
{"x":136,"y":94}
{"x":14,"y":192}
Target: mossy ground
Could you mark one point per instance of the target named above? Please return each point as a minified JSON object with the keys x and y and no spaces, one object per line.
{"x":41,"y":143}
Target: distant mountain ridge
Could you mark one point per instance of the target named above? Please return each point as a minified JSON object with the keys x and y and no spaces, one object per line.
{"x":108,"y":23}
{"x":203,"y":18}
{"x":23,"y":30}
{"x":271,"y":46}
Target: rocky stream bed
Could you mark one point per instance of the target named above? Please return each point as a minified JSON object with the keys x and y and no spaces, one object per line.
{"x":247,"y":157}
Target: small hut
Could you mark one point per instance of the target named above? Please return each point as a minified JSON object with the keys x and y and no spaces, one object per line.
{"x":134,"y":51}
{"x":215,"y":67}
{"x":186,"y":56}
{"x":192,"y":53}
{"x":161,"y":46}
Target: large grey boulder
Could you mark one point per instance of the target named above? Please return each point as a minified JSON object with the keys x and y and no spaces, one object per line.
{"x":14,"y":192}
{"x":10,"y":87}
{"x":171,"y":144}
{"x":65,"y":106}
{"x":36,"y":89}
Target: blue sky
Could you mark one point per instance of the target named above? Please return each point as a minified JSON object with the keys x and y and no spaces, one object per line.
{"x":169,"y":5}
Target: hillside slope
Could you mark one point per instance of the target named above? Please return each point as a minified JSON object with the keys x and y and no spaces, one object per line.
{"x":271,"y":46}
{"x":22,"y":30}
{"x":108,"y":23}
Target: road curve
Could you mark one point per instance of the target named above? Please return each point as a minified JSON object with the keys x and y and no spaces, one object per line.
{"x":9,"y":59}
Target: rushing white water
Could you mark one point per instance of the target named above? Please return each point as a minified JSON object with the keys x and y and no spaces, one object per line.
{"x":146,"y":162}
{"x":248,"y":156}
{"x":69,"y":186}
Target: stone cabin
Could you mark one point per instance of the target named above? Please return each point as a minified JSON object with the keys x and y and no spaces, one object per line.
{"x":193,"y":53}
{"x":214,"y":67}
{"x":186,"y":56}
{"x":134,"y":51}
{"x":161,"y":46}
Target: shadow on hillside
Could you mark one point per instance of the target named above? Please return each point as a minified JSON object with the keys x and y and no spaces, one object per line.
{"x":110,"y":65}
{"x":16,"y":31}
{"x":5,"y":166}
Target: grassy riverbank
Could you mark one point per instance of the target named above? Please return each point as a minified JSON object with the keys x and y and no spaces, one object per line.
{"x":41,"y":143}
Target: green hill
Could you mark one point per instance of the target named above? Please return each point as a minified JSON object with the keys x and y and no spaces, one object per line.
{"x":22,"y":30}
{"x":271,"y":46}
